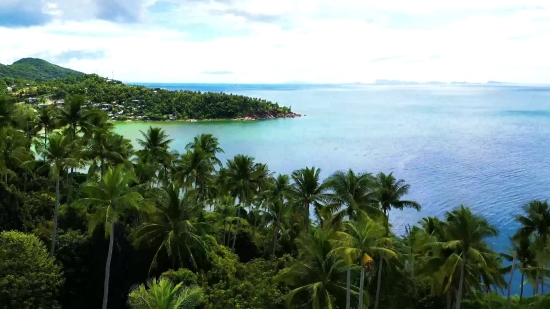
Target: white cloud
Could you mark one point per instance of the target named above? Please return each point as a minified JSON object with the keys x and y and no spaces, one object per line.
{"x":308,"y":40}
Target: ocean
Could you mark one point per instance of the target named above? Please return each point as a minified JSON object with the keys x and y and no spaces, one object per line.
{"x":482,"y":146}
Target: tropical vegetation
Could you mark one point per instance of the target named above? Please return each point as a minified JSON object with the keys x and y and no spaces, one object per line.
{"x":89,"y":221}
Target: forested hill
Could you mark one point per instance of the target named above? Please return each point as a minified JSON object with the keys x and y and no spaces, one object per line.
{"x":33,"y":68}
{"x":140,"y":102}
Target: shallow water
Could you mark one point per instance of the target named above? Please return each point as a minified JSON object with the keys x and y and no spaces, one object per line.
{"x":482,"y":146}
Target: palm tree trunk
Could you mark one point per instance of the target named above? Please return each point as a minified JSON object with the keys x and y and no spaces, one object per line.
{"x":6,"y":178}
{"x":236,"y":229}
{"x":108,"y":267}
{"x":521,"y":287}
{"x":362,"y":286}
{"x":275,"y":241}
{"x":378,"y":283}
{"x":448,"y":295}
{"x":510,"y":281}
{"x":348,"y":288}
{"x":55,"y":215}
{"x":461,"y":282}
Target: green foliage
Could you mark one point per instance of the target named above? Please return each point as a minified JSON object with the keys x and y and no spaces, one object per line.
{"x":164,"y":294}
{"x":182,"y":275}
{"x":253,"y":286}
{"x":32,"y":68}
{"x":29,"y":278}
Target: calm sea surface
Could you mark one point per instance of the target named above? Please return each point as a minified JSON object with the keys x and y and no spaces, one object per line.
{"x":487,"y":147}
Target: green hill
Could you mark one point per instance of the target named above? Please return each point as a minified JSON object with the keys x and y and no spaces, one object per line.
{"x":33,"y":68}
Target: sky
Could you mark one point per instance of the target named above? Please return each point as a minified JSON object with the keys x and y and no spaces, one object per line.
{"x":278,"y":41}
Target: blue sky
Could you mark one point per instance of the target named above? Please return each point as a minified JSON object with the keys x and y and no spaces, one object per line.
{"x":263,"y":41}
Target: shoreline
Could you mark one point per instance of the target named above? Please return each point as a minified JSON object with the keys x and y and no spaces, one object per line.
{"x":242,"y":119}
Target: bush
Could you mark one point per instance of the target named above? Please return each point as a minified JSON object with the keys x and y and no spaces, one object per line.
{"x":29,"y":278}
{"x":182,"y":275}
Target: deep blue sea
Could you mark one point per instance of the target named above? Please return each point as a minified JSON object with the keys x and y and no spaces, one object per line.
{"x":484,"y":146}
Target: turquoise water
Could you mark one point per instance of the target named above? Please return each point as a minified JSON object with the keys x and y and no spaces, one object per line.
{"x":482,"y":146}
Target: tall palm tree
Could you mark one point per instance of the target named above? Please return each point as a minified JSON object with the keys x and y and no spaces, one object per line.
{"x":59,"y":153}
{"x":111,"y":197}
{"x":361,"y":240}
{"x":76,"y":118}
{"x":164,"y":294}
{"x":307,"y":191}
{"x":388,"y":193}
{"x":277,"y":192}
{"x":172,"y":227}
{"x":316,"y":273}
{"x":467,"y":233}
{"x":351,"y":190}
{"x":209,"y":144}
{"x":536,"y":222}
{"x":243,"y":179}
{"x":47,"y":121}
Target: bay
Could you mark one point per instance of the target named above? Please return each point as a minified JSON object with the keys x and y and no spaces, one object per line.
{"x":482,"y":146}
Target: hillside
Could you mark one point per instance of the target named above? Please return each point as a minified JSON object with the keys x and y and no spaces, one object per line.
{"x":33,"y":68}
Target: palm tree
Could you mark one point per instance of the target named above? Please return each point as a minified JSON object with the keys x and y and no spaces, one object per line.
{"x":363,"y":239}
{"x":47,"y":121}
{"x":315,"y":273}
{"x":467,"y":233}
{"x":76,"y":118}
{"x":105,"y":149}
{"x":195,"y":169}
{"x":209,"y":144}
{"x":155,"y":145}
{"x":388,"y":193}
{"x":163,"y":294}
{"x":351,"y":190}
{"x":536,"y":222}
{"x":59,"y":153}
{"x":7,"y":111}
{"x":74,"y":115}
{"x":226,"y":210}
{"x":243,"y":179}
{"x":172,"y":228}
{"x":111,"y":197}
{"x":277,"y":193}
{"x":13,"y":151}
{"x":308,"y":190}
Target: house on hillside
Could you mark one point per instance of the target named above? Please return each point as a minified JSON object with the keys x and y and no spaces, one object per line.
{"x":32,"y":100}
{"x":172,"y":117}
{"x":10,"y":89}
{"x":60,"y":103}
{"x":135,"y":101}
{"x":41,"y":105}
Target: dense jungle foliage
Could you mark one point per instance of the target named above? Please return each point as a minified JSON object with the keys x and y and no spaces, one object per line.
{"x":89,"y":221}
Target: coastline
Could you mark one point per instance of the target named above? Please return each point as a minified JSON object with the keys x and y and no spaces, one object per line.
{"x":241,"y":119}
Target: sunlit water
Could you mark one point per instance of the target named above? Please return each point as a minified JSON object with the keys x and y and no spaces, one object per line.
{"x":486,"y":147}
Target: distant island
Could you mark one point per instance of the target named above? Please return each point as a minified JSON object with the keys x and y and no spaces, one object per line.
{"x":38,"y":82}
{"x":400,"y":82}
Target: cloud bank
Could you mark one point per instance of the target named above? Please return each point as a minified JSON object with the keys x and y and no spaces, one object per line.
{"x":258,"y":41}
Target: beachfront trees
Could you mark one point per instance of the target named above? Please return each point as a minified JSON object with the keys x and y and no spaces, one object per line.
{"x":388,"y":193}
{"x":351,"y":191}
{"x":155,"y":147}
{"x":308,"y":190}
{"x":47,"y":121}
{"x":316,"y":273}
{"x":467,"y":234}
{"x":244,"y":180}
{"x":172,"y":227}
{"x":362,"y":240}
{"x":111,"y":197}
